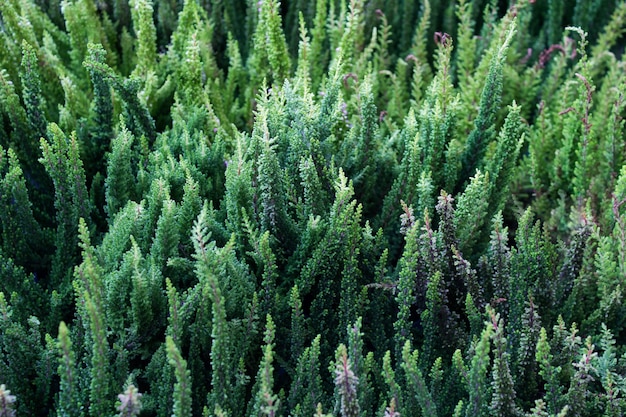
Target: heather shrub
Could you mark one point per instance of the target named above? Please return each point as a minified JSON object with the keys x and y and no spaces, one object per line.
{"x":356,"y":208}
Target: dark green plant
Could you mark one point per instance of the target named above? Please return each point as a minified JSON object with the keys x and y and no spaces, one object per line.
{"x":242,"y":208}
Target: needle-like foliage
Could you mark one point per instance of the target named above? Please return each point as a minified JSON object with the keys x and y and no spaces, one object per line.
{"x":363,"y":208}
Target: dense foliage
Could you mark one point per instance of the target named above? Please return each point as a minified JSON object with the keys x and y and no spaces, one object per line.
{"x":242,"y":208}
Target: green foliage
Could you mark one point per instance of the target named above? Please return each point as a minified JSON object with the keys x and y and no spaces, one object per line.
{"x":88,"y":287}
{"x":476,"y":376}
{"x":483,"y":132}
{"x":415,"y":381}
{"x":69,"y":398}
{"x":182,"y":388}
{"x":265,"y":402}
{"x":205,"y":204}
{"x":503,"y":397}
{"x":31,"y":90}
{"x":101,"y":112}
{"x":61,"y":158}
{"x":141,"y":12}
{"x":120,"y":176}
{"x":346,"y":383}
{"x":406,"y":286}
{"x":306,"y":391}
{"x":20,"y":230}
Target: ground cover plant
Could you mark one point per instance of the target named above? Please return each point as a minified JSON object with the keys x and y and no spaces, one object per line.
{"x":340,"y":207}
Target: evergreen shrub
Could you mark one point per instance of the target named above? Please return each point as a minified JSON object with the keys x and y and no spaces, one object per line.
{"x":250,"y":208}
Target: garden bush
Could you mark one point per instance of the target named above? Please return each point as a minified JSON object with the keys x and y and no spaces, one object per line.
{"x":361,"y":208}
